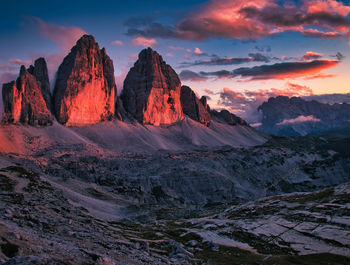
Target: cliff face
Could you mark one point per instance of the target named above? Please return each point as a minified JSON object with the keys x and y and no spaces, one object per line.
{"x":24,"y":100}
{"x":151,"y":91}
{"x":39,"y":70}
{"x":85,"y":90}
{"x":193,"y":106}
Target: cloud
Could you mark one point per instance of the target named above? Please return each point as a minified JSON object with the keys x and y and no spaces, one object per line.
{"x":209,"y":92}
{"x":20,"y":62}
{"x":332,"y":6}
{"x":187,"y":75}
{"x":145,"y":42}
{"x":253,"y":57}
{"x":276,"y":71}
{"x":299,"y":119}
{"x":174,"y":48}
{"x":321,"y":34}
{"x":339,"y":56}
{"x":311,"y":56}
{"x":186,"y":57}
{"x":117,"y":42}
{"x":250,"y":19}
{"x":198,"y":51}
{"x":320,"y":76}
{"x":169,"y":54}
{"x":64,"y":37}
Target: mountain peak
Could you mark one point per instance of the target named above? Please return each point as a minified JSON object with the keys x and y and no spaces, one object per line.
{"x":24,"y":100}
{"x":85,"y":88}
{"x":151,"y":92}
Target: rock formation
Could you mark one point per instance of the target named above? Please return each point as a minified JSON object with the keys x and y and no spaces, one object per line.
{"x":204,"y":103}
{"x":39,"y":70}
{"x":193,"y":107}
{"x":24,"y":101}
{"x":85,"y":90}
{"x":151,"y":91}
{"x":224,"y":116}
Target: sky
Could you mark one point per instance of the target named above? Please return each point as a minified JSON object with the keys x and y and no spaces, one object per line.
{"x":237,"y":53}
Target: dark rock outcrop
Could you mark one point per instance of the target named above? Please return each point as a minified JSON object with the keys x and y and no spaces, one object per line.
{"x":85,"y":90}
{"x":295,"y":116}
{"x":204,"y":103}
{"x":193,"y":107}
{"x":24,"y":101}
{"x":224,"y":116}
{"x":151,"y":92}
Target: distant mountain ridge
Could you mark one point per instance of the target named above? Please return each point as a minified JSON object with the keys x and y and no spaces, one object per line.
{"x":295,"y":116}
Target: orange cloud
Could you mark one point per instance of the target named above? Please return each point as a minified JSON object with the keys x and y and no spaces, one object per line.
{"x":311,"y":56}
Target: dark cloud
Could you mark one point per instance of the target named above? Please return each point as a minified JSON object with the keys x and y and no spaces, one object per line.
{"x":287,"y":17}
{"x":253,"y":57}
{"x":276,"y":71}
{"x":153,"y":30}
{"x":187,"y":75}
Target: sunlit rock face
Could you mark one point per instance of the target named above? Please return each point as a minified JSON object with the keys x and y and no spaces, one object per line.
{"x":24,"y":101}
{"x":85,"y":89}
{"x":193,"y":107}
{"x":39,"y":70}
{"x":151,"y":91}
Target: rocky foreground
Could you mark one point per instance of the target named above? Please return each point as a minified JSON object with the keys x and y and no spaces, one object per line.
{"x":270,"y":204}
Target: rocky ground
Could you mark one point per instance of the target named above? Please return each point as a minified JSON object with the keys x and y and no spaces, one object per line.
{"x":280,"y":203}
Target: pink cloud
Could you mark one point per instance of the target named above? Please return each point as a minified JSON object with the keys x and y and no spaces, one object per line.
{"x":133,"y":56}
{"x":64,"y":37}
{"x":209,"y":91}
{"x":198,"y":51}
{"x":142,"y":41}
{"x":299,"y":119}
{"x":317,"y":6}
{"x":311,"y":56}
{"x":175,"y":48}
{"x":20,"y":62}
{"x":186,"y":57}
{"x":169,"y":54}
{"x":117,"y":42}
